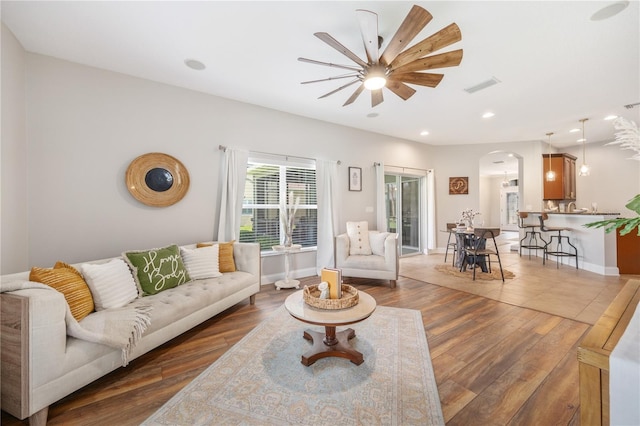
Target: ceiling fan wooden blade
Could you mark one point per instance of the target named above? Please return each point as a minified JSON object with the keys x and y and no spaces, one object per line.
{"x":419,"y":78}
{"x":443,"y":38}
{"x":376,"y":97}
{"x":340,"y":48}
{"x":329,"y":64}
{"x":339,"y":88}
{"x":443,"y":60}
{"x":416,"y":20}
{"x":400,"y":89}
{"x":355,"y":95}
{"x":369,"y":30}
{"x":338,"y":77}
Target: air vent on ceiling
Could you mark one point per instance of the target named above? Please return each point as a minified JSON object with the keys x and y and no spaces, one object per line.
{"x":492,"y":81}
{"x":498,"y":162}
{"x":631,"y":106}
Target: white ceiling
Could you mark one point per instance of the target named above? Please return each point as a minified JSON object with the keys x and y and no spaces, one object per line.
{"x":555,"y":64}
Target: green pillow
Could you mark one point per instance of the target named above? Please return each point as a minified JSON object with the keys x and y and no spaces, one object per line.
{"x":157,"y":270}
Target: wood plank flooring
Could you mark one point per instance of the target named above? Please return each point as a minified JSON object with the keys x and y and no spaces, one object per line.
{"x":495,"y":363}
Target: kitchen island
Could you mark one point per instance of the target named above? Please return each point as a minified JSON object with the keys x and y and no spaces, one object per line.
{"x":596,"y":248}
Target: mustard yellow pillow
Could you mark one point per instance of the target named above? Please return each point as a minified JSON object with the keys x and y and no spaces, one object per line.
{"x":68,"y":281}
{"x":225,"y":255}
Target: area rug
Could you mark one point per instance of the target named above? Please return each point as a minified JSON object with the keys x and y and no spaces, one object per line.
{"x":486,"y":276}
{"x":260,"y":380}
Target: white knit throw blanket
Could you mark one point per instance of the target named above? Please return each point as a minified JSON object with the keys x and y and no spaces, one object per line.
{"x":120,"y":328}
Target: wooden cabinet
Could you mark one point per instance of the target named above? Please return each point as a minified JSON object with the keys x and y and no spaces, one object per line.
{"x":628,"y":252}
{"x":564,"y":187}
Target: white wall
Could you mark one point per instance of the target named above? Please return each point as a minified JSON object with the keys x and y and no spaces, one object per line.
{"x":613,"y":181}
{"x":86,"y":125}
{"x":13,"y":206}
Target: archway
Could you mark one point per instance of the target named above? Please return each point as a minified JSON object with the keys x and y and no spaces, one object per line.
{"x":501,"y":188}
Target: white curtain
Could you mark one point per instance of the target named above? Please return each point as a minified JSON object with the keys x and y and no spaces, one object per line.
{"x":381,"y":210}
{"x":431,"y":210}
{"x":328,"y":193}
{"x":233,"y":175}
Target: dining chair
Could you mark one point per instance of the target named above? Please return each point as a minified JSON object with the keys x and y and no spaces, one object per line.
{"x":451,"y":229}
{"x":479,"y":248}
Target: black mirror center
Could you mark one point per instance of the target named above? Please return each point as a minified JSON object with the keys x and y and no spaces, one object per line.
{"x":159,"y":179}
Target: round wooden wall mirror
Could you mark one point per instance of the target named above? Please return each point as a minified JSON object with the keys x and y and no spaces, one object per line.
{"x":157,"y":179}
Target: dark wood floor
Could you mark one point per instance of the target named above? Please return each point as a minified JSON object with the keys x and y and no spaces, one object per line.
{"x":495,"y":363}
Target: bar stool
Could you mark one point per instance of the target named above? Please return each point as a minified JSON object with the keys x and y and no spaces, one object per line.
{"x":558,"y":252}
{"x":451,"y":228}
{"x":531,"y":236}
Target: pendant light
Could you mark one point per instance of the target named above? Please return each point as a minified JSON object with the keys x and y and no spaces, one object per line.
{"x":584,"y":169}
{"x":550,"y":176}
{"x":505,"y":182}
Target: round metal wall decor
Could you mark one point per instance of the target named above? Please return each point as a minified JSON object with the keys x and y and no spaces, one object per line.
{"x":157,"y":179}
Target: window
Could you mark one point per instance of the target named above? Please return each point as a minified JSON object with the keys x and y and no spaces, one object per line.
{"x":268,"y":184}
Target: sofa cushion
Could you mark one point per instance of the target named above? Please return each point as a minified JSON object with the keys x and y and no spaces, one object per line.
{"x":68,"y":281}
{"x":201,"y":262}
{"x":358,"y":233}
{"x":225,"y":255}
{"x":377,"y":239}
{"x":158,"y":269}
{"x":111,"y":283}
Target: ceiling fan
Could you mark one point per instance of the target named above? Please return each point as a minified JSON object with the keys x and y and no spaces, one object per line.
{"x":395,"y":68}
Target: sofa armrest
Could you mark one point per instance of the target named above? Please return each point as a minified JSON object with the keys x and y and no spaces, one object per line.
{"x":33,"y":344}
{"x":391,"y":255}
{"x":341,"y":249}
{"x":247,"y":257}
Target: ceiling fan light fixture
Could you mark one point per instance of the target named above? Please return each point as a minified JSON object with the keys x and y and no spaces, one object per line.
{"x":375,"y":78}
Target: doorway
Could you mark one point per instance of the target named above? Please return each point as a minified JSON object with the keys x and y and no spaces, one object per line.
{"x":403,"y":201}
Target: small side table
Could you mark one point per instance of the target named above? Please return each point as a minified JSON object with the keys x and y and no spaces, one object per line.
{"x":287,"y":282}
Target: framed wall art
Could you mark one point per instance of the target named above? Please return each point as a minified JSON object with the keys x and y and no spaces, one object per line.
{"x":355,"y":179}
{"x":458,"y":185}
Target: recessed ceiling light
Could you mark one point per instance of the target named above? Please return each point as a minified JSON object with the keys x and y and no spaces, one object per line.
{"x":581,"y":140}
{"x":424,"y":133}
{"x":611,"y":117}
{"x":609,"y":11}
{"x":488,"y":115}
{"x":574,"y":130}
{"x":194,"y":64}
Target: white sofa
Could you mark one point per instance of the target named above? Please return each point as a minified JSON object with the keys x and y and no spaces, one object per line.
{"x":381,"y":264}
{"x":42,"y":364}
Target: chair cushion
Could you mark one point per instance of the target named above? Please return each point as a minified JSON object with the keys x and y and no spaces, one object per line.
{"x":377,"y":239}
{"x":358,"y":233}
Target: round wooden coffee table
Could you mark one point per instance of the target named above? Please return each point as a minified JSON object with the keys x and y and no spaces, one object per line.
{"x":330,"y":343}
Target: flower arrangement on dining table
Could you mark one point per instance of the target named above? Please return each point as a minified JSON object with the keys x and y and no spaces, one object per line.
{"x":287,"y":219}
{"x":467,"y":217}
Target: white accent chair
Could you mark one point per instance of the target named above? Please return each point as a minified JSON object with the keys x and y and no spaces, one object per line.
{"x":378,"y":265}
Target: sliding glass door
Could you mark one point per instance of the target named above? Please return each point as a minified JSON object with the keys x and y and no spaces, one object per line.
{"x":403,"y":203}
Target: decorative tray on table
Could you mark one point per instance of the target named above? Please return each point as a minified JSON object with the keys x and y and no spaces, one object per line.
{"x":349,"y":298}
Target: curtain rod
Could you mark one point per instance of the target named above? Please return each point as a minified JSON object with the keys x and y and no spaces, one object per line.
{"x":376,"y":164}
{"x":224,"y":148}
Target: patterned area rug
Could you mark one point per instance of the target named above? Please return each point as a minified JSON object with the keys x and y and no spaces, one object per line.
{"x":260,"y":380}
{"x":468,"y":274}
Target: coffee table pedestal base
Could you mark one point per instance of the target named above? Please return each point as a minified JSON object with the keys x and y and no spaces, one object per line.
{"x":329,"y":344}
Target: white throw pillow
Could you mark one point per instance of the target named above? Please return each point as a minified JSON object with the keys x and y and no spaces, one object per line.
{"x":111,"y":284}
{"x":358,"y":233}
{"x":202,"y":262}
{"x":377,"y":239}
